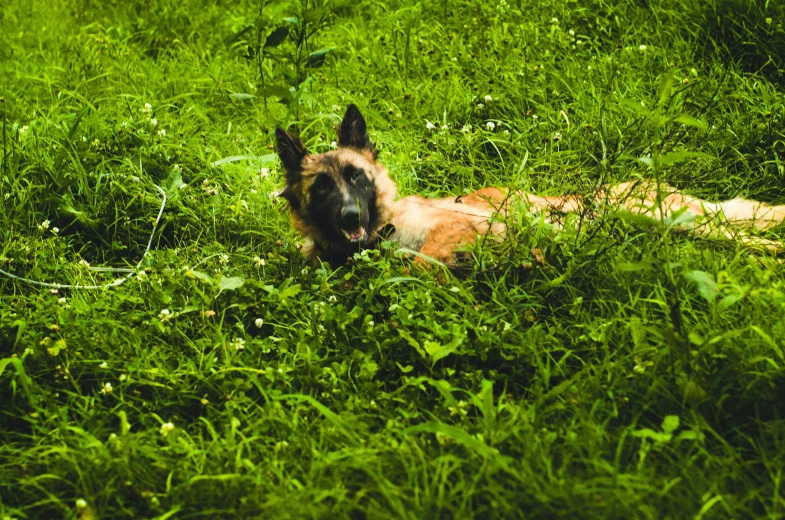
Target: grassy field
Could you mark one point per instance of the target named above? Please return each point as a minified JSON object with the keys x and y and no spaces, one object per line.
{"x":615,"y":370}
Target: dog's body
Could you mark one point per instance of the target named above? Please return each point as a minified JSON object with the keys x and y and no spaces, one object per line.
{"x":343,"y":201}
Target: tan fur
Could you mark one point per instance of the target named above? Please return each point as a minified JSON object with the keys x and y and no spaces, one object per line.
{"x":437,"y":228}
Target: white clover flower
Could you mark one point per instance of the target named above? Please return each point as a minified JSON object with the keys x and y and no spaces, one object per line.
{"x":253,"y":191}
{"x":162,"y":132}
{"x":96,"y":143}
{"x":506,"y":132}
{"x":572,"y":32}
{"x":24,"y":129}
{"x":557,"y":136}
{"x":43,"y":225}
{"x":488,"y":98}
{"x":490,"y":125}
{"x":106,"y":389}
{"x":164,"y":315}
{"x":166,"y":428}
{"x":53,"y":291}
{"x":55,"y":230}
{"x":258,"y":261}
{"x":259,"y":322}
{"x":124,"y":124}
{"x":445,"y":127}
{"x":84,"y":263}
{"x":238,"y":344}
{"x":332,"y":298}
{"x":104,"y":365}
{"x":147,"y":108}
{"x":62,"y":301}
{"x":466,"y":129}
{"x":224,"y":258}
{"x":554,"y":20}
{"x":370,"y":324}
{"x":334,"y":145}
{"x":265,"y":173}
{"x":430,"y":126}
{"x":535,"y":116}
{"x":642,"y":48}
{"x":81,"y":503}
{"x":480,"y":106}
{"x":154,"y":122}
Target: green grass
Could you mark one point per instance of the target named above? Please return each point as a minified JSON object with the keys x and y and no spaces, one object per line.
{"x":633,"y":374}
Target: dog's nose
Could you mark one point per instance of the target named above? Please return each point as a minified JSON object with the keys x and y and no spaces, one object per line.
{"x":350,"y":217}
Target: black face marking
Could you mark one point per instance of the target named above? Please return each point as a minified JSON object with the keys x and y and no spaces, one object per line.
{"x":343,"y":209}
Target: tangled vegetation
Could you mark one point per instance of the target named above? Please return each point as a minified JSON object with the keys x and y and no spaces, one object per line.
{"x":614,"y":370}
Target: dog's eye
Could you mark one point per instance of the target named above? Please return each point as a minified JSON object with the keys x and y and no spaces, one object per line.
{"x":322,"y":183}
{"x":355,"y":174}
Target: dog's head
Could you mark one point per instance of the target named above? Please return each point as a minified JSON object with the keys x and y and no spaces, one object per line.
{"x":341,"y":198}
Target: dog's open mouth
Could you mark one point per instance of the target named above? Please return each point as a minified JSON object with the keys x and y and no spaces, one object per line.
{"x":354,"y":235}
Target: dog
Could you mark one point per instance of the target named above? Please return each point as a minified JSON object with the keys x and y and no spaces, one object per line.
{"x":343,"y":201}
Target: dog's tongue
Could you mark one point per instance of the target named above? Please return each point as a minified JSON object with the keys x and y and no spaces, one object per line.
{"x":354,"y":235}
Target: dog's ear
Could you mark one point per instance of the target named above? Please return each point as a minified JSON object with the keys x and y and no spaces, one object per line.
{"x":353,"y":131}
{"x":292,"y":152}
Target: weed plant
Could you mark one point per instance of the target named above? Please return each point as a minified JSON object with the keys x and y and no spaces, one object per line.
{"x":613,"y":370}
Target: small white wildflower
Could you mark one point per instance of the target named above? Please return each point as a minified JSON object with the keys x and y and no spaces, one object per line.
{"x":106,"y":389}
{"x":554,"y":20}
{"x":84,"y":138}
{"x":84,"y":263}
{"x":224,"y":258}
{"x":183,"y":186}
{"x":162,"y":132}
{"x":167,"y":428}
{"x":304,"y":271}
{"x":258,"y":261}
{"x":466,"y":129}
{"x":147,"y":108}
{"x":24,"y":129}
{"x":124,"y":124}
{"x":454,"y":59}
{"x":53,"y":291}
{"x":62,"y":301}
{"x":123,"y":377}
{"x":55,"y":230}
{"x":506,"y":132}
{"x":579,"y":43}
{"x":430,"y":126}
{"x":445,"y":127}
{"x":81,"y":503}
{"x":572,"y":32}
{"x":154,"y":122}
{"x":96,"y":143}
{"x":490,"y":125}
{"x":238,"y":344}
{"x":488,"y":98}
{"x":43,"y":225}
{"x":332,"y":298}
{"x":535,"y":116}
{"x":164,"y":315}
{"x":557,"y":136}
{"x":104,"y":365}
{"x":480,"y":106}
{"x":265,"y":173}
{"x":371,"y":324}
{"x":280,"y":370}
{"x":334,"y":145}
{"x":259,"y":322}
{"x":642,"y":48}
{"x":253,"y":191}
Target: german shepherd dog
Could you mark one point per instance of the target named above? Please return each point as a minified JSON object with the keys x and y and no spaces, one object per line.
{"x":343,"y":201}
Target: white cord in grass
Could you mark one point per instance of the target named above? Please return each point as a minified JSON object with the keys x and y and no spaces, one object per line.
{"x":114,"y":283}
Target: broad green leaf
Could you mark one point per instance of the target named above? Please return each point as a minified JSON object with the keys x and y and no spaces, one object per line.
{"x":199,"y":276}
{"x":637,"y":219}
{"x":690,"y":121}
{"x":677,"y":157}
{"x":275,"y":91}
{"x":707,"y":286}
{"x":316,"y":58}
{"x":242,"y":95}
{"x":438,"y":351}
{"x":680,"y":217}
{"x":630,"y":267}
{"x":230,"y":283}
{"x":666,"y":87}
{"x":637,"y":108}
{"x":276,"y":37}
